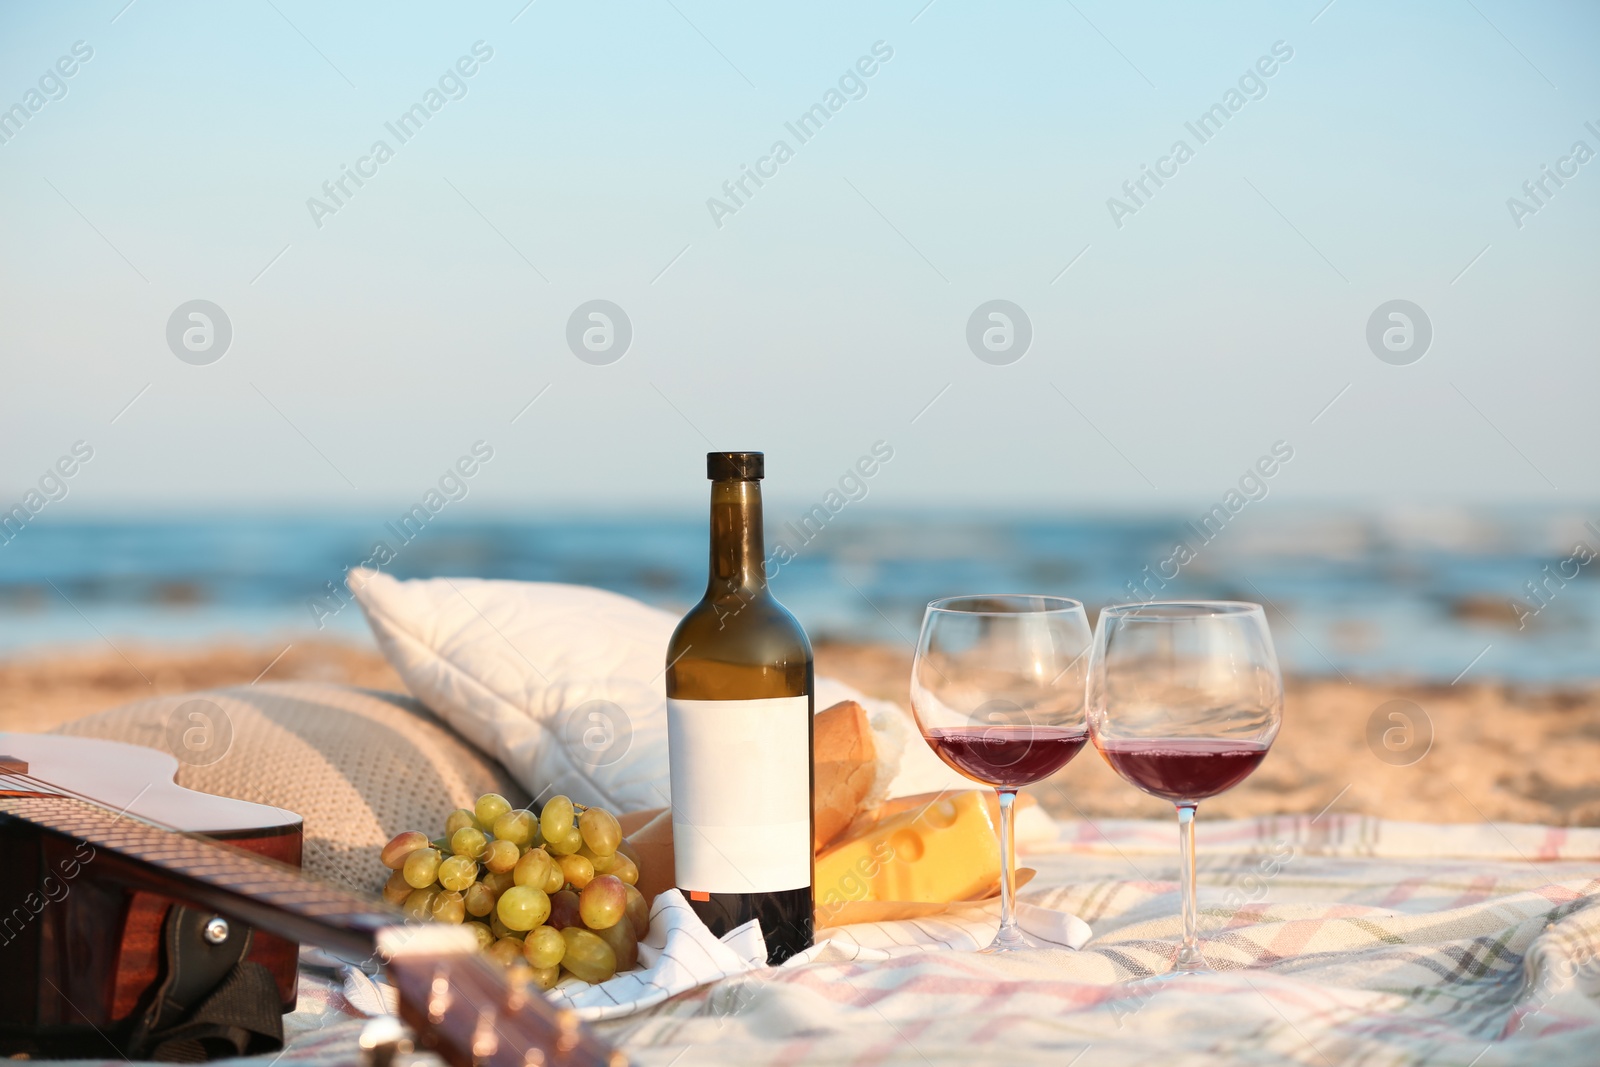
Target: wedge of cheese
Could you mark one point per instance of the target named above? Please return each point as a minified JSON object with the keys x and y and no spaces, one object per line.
{"x":942,"y":851}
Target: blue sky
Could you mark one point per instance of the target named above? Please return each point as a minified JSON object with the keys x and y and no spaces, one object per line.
{"x":830,"y":311}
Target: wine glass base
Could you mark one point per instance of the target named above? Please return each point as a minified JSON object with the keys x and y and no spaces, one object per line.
{"x":1187,"y":962}
{"x":1013,"y":940}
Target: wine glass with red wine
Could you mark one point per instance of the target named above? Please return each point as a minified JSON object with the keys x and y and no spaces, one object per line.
{"x":1184,"y":699}
{"x":998,"y":691}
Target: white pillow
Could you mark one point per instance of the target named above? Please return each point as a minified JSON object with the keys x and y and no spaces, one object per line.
{"x":564,"y":685}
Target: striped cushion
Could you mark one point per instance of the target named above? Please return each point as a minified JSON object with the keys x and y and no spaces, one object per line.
{"x":358,"y":765}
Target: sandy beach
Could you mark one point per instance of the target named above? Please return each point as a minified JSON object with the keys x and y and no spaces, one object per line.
{"x":1499,"y":752}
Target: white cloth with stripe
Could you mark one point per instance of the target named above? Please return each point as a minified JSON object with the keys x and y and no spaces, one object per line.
{"x":680,"y":953}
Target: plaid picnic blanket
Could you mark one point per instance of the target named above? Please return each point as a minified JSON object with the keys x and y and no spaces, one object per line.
{"x":1341,"y":939}
{"x":1336,"y":939}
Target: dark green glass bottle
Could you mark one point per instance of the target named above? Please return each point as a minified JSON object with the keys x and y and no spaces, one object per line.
{"x":739,"y":705}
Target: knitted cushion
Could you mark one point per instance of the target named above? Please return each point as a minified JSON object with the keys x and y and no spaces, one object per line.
{"x":358,"y":765}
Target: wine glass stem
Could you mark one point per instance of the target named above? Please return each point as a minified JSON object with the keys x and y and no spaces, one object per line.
{"x":1189,"y":958}
{"x":1008,"y":870}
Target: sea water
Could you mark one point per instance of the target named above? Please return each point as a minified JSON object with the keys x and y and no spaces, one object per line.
{"x":1433,"y":595}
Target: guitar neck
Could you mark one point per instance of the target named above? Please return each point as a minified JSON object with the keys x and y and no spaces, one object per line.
{"x":256,"y":890}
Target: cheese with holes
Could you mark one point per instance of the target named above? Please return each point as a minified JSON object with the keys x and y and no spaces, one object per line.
{"x":942,"y":851}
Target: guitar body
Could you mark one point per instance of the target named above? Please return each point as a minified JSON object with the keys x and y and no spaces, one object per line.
{"x":81,"y":949}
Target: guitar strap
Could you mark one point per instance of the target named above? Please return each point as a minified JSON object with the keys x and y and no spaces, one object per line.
{"x":211,"y":1002}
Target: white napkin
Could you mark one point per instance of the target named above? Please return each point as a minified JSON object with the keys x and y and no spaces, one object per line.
{"x":680,"y":953}
{"x":369,"y":996}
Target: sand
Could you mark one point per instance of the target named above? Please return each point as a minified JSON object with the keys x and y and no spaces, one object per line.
{"x":42,"y":690}
{"x":1496,"y":751}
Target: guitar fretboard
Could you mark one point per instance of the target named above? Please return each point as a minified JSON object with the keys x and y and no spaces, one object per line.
{"x":253,"y":888}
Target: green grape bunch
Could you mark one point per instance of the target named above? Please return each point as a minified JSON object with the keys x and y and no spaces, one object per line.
{"x":545,"y":895}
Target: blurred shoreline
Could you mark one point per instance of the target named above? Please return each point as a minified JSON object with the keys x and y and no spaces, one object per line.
{"x":1477,"y":750}
{"x":1417,"y":688}
{"x":1425,"y":594}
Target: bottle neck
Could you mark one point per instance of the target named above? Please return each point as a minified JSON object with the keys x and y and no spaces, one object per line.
{"x":738,"y":550}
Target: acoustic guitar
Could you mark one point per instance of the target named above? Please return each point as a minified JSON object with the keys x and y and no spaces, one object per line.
{"x":100,"y":851}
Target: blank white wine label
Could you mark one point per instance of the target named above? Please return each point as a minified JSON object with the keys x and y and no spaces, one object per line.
{"x":741,"y":794}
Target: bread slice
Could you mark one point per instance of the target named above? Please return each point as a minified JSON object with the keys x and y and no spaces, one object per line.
{"x":846,"y":758}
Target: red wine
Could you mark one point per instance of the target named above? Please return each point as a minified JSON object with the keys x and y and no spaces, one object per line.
{"x":1007,"y":755}
{"x":1183,"y":768}
{"x":739,"y":733}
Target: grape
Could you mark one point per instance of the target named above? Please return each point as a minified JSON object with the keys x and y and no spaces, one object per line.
{"x":395,"y":852}
{"x":638,"y":911}
{"x":544,"y":946}
{"x":490,"y":807}
{"x":603,"y":902}
{"x":419,"y":904}
{"x":626,"y":869}
{"x":501,"y":930}
{"x":422,"y":867}
{"x":564,"y":910}
{"x":515,"y":827}
{"x":479,"y":900}
{"x":500,"y":856}
{"x":565,"y":843}
{"x":396,"y":889}
{"x":506,"y":951}
{"x":447,"y":908}
{"x":578,"y":871}
{"x":482,"y":932}
{"x":624,"y":944}
{"x":523,"y":907}
{"x":457,"y":873}
{"x":533,"y":868}
{"x":554,"y":893}
{"x":556,"y":817}
{"x":602,"y":863}
{"x":469,"y":841}
{"x":601,"y":831}
{"x":588,"y":957}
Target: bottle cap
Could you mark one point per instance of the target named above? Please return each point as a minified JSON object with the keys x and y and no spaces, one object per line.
{"x":735,"y":466}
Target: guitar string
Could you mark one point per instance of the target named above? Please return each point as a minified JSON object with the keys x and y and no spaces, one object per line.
{"x":244,"y":873}
{"x":168,"y":833}
{"x":200,"y":857}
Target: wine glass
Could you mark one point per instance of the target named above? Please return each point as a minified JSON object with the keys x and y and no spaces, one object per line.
{"x":997,"y":688}
{"x":1184,"y":699}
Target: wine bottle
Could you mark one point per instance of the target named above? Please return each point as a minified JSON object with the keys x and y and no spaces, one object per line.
{"x":739,"y":705}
